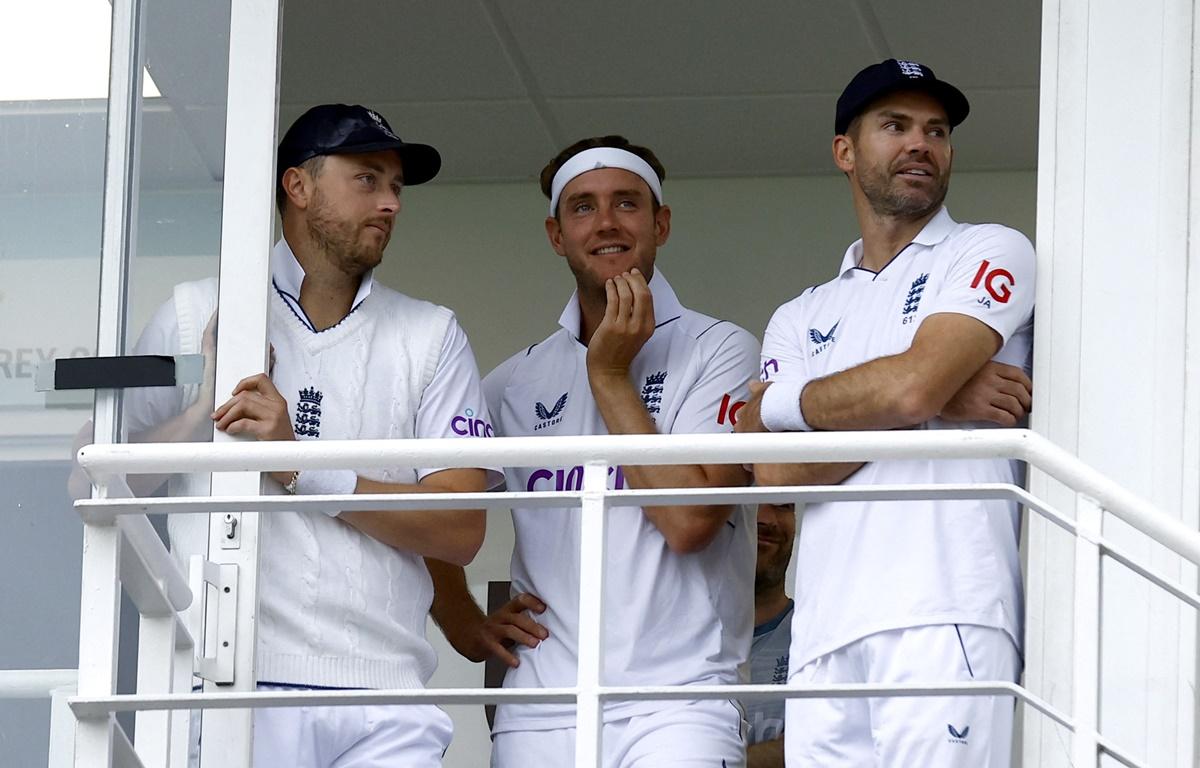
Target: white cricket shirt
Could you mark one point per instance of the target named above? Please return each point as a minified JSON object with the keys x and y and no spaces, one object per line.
{"x":671,"y":619}
{"x":866,"y":567}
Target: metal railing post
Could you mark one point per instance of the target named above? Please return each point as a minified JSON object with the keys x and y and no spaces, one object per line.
{"x":589,"y":712}
{"x":1085,"y":748}
{"x":156,"y":674}
{"x":247,"y":217}
{"x":99,"y":617}
{"x":62,"y":729}
{"x":100,"y":598}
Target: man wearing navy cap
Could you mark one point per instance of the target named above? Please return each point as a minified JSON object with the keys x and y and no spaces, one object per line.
{"x":343,"y":598}
{"x":903,"y":591}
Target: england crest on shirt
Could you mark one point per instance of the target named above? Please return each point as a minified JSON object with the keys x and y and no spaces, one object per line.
{"x":308,"y":413}
{"x":652,"y":392}
{"x":913,"y":301}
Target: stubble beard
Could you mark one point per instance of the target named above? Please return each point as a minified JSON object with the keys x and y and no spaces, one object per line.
{"x":590,"y":283}
{"x":338,"y":240}
{"x":889,"y":199}
{"x":768,"y":576}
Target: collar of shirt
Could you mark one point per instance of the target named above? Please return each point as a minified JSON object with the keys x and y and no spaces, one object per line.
{"x":287,"y":275}
{"x":770,"y":624}
{"x":935,"y":231}
{"x":666,"y":305}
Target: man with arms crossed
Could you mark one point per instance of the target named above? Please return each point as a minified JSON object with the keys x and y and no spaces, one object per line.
{"x":342,"y":597}
{"x":891,"y":592}
{"x":628,"y":359}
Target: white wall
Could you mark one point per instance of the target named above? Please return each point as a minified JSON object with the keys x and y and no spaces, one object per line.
{"x":1118,"y":353}
{"x":738,"y":249}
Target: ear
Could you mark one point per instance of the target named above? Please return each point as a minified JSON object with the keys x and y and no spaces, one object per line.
{"x":662,"y":225}
{"x":297,"y":185}
{"x":554,"y":234}
{"x":843,"y":153}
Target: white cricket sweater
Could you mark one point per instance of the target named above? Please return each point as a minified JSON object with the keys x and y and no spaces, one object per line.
{"x":336,"y":607}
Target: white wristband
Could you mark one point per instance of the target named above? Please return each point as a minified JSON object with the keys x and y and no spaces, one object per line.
{"x":327,"y":482}
{"x":781,"y":411}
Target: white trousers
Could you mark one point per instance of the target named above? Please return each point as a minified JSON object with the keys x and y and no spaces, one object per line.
{"x":414,"y":736}
{"x":932,"y":732}
{"x":699,"y":734}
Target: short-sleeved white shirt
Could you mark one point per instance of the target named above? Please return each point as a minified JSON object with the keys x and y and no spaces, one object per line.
{"x":671,"y":618}
{"x":866,"y":567}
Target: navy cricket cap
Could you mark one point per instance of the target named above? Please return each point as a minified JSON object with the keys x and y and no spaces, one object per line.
{"x":345,"y":129}
{"x":892,"y":75}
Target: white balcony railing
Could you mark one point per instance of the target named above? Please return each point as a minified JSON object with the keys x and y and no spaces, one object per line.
{"x":161,"y":594}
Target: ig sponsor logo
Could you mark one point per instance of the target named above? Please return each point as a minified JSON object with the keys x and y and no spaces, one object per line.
{"x":729,"y":409}
{"x":998,"y":283}
{"x":469,"y":425}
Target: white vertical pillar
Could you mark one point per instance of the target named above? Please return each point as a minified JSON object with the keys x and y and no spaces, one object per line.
{"x":100,"y":594}
{"x":99,"y":614}
{"x":1117,"y":353}
{"x":246,"y":230}
{"x":589,"y":709}
{"x":155,"y":675}
{"x":62,"y":729}
{"x":1085,"y":699}
{"x":181,"y":719}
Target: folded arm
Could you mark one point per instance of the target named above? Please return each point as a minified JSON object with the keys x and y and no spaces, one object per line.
{"x":628,"y":324}
{"x":946,"y":369}
{"x":257,"y":409}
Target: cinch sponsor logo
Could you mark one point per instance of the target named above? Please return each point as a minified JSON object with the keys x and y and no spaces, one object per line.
{"x":997,"y":282}
{"x":729,"y":409}
{"x":769,"y":367}
{"x":764,"y":728}
{"x":469,"y":425}
{"x":563,"y":479}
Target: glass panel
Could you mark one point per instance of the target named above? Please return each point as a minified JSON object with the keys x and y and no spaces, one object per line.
{"x":52,"y":131}
{"x":52,"y":135}
{"x":174,"y":263}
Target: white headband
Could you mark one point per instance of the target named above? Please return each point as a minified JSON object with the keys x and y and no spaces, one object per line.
{"x":602,"y":157}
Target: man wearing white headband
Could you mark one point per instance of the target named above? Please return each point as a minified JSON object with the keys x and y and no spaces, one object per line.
{"x":627,"y":359}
